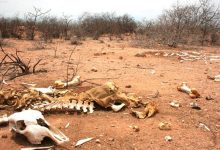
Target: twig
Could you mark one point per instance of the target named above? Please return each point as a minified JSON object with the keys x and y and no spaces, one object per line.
{"x":35,"y":65}
{"x":67,"y":69}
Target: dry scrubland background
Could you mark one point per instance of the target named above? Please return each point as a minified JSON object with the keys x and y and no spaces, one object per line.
{"x":109,"y":43}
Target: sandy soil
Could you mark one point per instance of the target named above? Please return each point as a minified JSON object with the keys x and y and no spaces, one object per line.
{"x":113,"y":129}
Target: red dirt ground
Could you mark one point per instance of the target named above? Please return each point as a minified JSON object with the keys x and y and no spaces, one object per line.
{"x":113,"y":129}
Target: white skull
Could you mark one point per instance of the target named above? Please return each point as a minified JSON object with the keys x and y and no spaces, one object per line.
{"x":31,"y":123}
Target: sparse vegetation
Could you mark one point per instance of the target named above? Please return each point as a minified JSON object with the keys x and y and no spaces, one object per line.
{"x":182,"y":24}
{"x":13,"y":65}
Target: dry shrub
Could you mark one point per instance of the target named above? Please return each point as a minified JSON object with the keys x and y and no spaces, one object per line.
{"x":38,"y":45}
{"x":74,"y":40}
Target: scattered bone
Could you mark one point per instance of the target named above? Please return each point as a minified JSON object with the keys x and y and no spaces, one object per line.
{"x":82,"y":141}
{"x":203,"y":126}
{"x":48,"y":90}
{"x":193,"y":93}
{"x":164,"y":126}
{"x":67,"y":125}
{"x":38,"y":148}
{"x":175,"y":104}
{"x":32,"y":124}
{"x":168,"y":138}
{"x":117,"y":108}
{"x":149,"y":111}
{"x":61,"y":84}
{"x":4,"y":82}
{"x":215,"y":78}
{"x":186,"y":56}
{"x":195,"y":105}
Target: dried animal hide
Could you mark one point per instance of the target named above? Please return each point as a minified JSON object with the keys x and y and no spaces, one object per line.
{"x":106,"y":96}
{"x":109,"y":95}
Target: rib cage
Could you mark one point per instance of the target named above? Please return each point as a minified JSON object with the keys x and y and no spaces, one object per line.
{"x":70,"y":106}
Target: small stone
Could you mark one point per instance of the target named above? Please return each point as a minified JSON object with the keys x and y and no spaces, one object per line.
{"x":97,"y":141}
{"x":141,"y":54}
{"x":120,"y":57}
{"x":175,"y":104}
{"x":194,"y":105}
{"x":4,"y":136}
{"x":111,"y":139}
{"x":94,"y":69}
{"x":209,"y":98}
{"x":168,"y":138}
{"x":136,"y":128}
{"x":164,"y":126}
{"x":128,"y":86}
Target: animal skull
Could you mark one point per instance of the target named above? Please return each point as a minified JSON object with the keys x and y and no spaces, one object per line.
{"x":31,"y":123}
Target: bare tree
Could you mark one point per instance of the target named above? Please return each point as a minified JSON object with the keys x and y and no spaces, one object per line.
{"x":66,"y":20}
{"x":32,"y":18}
{"x":209,"y":18}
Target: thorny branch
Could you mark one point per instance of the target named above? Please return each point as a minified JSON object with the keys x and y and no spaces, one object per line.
{"x":15,"y":65}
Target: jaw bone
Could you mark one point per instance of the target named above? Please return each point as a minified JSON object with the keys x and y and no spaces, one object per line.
{"x":192,"y":92}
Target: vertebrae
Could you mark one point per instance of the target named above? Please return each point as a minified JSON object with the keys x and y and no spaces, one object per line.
{"x":67,"y":106}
